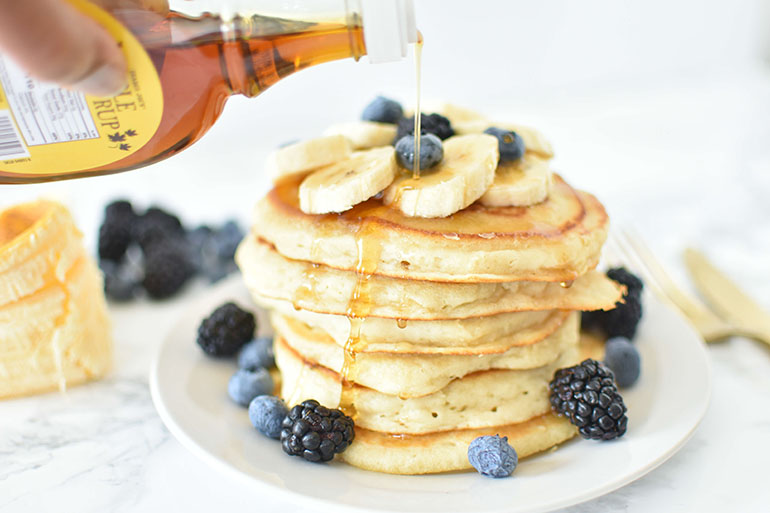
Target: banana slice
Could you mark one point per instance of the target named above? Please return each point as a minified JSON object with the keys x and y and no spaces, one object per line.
{"x":307,"y":155}
{"x":364,"y":134}
{"x":462,"y":177}
{"x":454,"y":113}
{"x":534,"y":141}
{"x":519,"y":184}
{"x":340,"y":186}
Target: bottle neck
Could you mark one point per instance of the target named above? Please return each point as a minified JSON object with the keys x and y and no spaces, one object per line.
{"x":254,"y":61}
{"x":258,"y":50}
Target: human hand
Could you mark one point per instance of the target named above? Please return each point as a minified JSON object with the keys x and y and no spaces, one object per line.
{"x":53,"y":42}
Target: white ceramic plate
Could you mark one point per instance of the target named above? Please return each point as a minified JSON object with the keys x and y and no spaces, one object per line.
{"x":190,"y":393}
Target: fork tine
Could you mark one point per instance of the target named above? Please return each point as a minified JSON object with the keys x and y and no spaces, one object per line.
{"x":654,"y":271}
{"x":661,"y":277}
{"x":626,"y":255}
{"x":709,"y":324}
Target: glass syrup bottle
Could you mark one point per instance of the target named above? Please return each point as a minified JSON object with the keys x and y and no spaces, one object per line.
{"x":186,"y":57}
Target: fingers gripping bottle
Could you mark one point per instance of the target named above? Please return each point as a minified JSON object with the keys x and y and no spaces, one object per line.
{"x":185,"y":58}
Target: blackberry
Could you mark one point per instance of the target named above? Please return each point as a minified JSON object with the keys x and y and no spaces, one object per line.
{"x":119,"y":208}
{"x":623,"y":320}
{"x":156,"y":224}
{"x":226,"y":330}
{"x":167,"y":267}
{"x":435,"y":124}
{"x":624,"y":277}
{"x":588,"y":396}
{"x":115,"y":233}
{"x":315,"y":432}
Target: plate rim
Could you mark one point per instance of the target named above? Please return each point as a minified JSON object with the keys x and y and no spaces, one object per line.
{"x":225,"y":468}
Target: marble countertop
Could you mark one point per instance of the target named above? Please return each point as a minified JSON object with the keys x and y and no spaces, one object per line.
{"x":685,"y":163}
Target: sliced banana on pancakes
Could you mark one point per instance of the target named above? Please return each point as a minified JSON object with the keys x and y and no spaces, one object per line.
{"x":339,"y":186}
{"x":453,"y":112}
{"x":364,"y":134}
{"x":533,"y":140}
{"x":465,"y":173}
{"x":519,"y":184}
{"x":354,"y":161}
{"x":304,"y":156}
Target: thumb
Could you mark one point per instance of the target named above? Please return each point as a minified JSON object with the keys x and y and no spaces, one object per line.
{"x":55,"y":43}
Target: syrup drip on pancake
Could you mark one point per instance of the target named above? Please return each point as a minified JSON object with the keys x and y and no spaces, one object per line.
{"x":359,"y":308}
{"x":563,"y":211}
{"x":369,"y":251}
{"x":60,"y":321}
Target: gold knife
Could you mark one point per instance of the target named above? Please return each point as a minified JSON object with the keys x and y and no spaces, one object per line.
{"x":726,"y":298}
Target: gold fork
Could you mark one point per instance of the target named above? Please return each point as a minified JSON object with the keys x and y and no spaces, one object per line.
{"x":627,"y":248}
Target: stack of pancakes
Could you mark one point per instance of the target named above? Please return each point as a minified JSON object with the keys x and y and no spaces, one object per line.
{"x":429,"y":332}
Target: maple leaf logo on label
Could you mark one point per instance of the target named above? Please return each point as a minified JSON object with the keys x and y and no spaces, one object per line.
{"x":117,"y":137}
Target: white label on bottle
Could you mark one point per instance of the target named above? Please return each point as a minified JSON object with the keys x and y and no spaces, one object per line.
{"x":45,"y":113}
{"x":11,"y":145}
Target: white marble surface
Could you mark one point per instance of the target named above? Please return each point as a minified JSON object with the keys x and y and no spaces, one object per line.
{"x":685,"y":162}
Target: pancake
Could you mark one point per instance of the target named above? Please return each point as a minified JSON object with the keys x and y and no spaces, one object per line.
{"x":480,"y":399}
{"x":410,"y":375}
{"x":56,"y":336}
{"x":556,"y":240}
{"x":482,"y":335}
{"x":448,"y":451}
{"x":56,"y":243}
{"x":323,"y":289}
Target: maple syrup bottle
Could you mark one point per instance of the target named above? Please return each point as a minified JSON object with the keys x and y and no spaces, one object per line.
{"x":185,"y":59}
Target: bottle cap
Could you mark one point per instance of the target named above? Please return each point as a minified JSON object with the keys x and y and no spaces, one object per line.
{"x":389,"y":27}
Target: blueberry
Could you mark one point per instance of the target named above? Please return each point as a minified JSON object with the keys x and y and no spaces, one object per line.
{"x":431,"y":151}
{"x":622,"y":357}
{"x":511,"y":143}
{"x":493,"y":456}
{"x":257,"y":353}
{"x":245,"y":385}
{"x":218,"y":270}
{"x":266,"y":414}
{"x":383,"y":110}
{"x":226,"y":240}
{"x":121,"y":279}
{"x":200,"y":237}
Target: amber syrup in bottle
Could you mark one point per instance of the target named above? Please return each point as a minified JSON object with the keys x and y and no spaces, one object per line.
{"x":200,"y":62}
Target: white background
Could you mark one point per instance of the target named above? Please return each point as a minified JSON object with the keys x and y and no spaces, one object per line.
{"x":661,"y":108}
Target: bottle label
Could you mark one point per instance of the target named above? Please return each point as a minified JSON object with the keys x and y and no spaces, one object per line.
{"x":46,"y":129}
